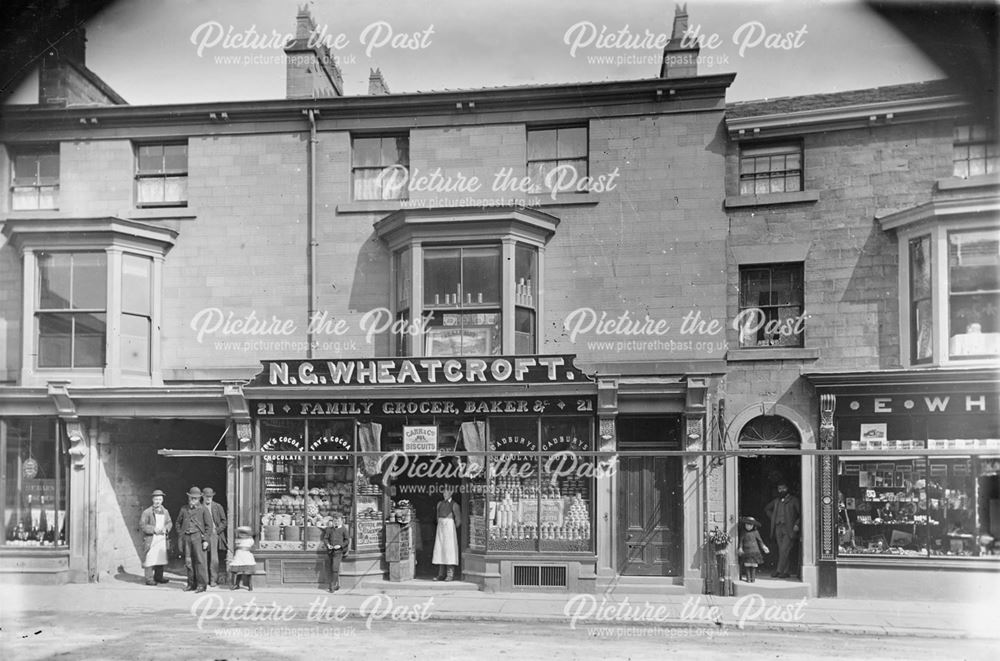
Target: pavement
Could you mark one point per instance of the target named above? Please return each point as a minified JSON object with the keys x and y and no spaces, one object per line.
{"x":456,"y":601}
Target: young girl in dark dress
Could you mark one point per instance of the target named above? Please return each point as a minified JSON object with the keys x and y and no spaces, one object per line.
{"x":751,"y":547}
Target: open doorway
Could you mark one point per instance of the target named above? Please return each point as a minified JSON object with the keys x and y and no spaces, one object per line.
{"x":759,"y":478}
{"x":422,"y":485}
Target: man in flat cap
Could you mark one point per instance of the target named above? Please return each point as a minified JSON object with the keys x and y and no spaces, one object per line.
{"x":217,"y":545}
{"x":155,"y":524}
{"x":195,"y":528}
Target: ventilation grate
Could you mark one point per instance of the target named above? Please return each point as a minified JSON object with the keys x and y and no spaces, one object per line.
{"x":535,"y":576}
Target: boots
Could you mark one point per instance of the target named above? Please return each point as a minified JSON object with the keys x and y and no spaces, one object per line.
{"x":249,"y":581}
{"x":753,"y":574}
{"x":451,"y":573}
{"x":440,"y":576}
{"x":234,"y":582}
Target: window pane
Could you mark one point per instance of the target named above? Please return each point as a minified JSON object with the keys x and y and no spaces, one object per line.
{"x":404,"y":280}
{"x":793,"y":184}
{"x":366,"y":152}
{"x":570,"y":182}
{"x":746,"y":187}
{"x":150,"y":190}
{"x":537,"y":172}
{"x":923,"y":330}
{"x":481,"y":275}
{"x":90,"y":272}
{"x":961,"y":133}
{"x":512,"y":516}
{"x":135,"y":343}
{"x":524,"y":331}
{"x":977,"y":167}
{"x":974,"y":261}
{"x":24,"y":199}
{"x":88,"y":340}
{"x":389,"y":152}
{"x":572,"y":143}
{"x":175,"y":189}
{"x":542,"y":145}
{"x":786,"y":286}
{"x":284,"y":485}
{"x":175,"y":158}
{"x":367,"y":185}
{"x":136,"y":272}
{"x":25,"y":170}
{"x":974,"y":330}
{"x":150,"y":158}
{"x":778,"y":185}
{"x":48,"y":197}
{"x":961,"y":169}
{"x":402,"y":151}
{"x":920,"y":268}
{"x":763,"y":187}
{"x":754,"y":284}
{"x":54,"y":272}
{"x":441,"y":276}
{"x":525,"y":275}
{"x":55,"y":340}
{"x":34,"y":504}
{"x":463,"y":334}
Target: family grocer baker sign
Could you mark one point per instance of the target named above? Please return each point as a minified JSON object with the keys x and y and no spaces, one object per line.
{"x":420,"y":371}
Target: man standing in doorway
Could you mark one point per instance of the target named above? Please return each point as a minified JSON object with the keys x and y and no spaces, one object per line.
{"x":217,"y":543}
{"x":785,"y":514}
{"x":195,"y":529}
{"x":155,"y":524}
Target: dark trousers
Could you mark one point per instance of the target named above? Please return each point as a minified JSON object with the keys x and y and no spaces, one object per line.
{"x":335,"y":558}
{"x":194,"y":560}
{"x":787,"y":541}
{"x":213,"y":554}
{"x":155,"y":573}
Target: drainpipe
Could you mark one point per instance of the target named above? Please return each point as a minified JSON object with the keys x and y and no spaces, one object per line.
{"x":311,"y":238}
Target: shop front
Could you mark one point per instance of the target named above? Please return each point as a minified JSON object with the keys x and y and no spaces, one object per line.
{"x":380,"y":442}
{"x":911,"y":507}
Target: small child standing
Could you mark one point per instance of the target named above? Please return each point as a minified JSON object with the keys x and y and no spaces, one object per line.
{"x":243,"y":565}
{"x":751,"y":548}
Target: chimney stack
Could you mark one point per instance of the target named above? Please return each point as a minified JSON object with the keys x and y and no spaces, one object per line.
{"x":65,"y":80}
{"x":680,"y":61}
{"x":310,"y":71}
{"x":376,"y":83}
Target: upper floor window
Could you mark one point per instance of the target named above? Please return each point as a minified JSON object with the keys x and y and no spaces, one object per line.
{"x":467,"y":283}
{"x":951,"y":314}
{"x":379,"y":167}
{"x":554,"y":151}
{"x":975,"y":151}
{"x":161,"y":175}
{"x":771,"y":303}
{"x":92,"y":304}
{"x":974,"y":293}
{"x":71,"y":310}
{"x":34,"y":178}
{"x":771,"y":168}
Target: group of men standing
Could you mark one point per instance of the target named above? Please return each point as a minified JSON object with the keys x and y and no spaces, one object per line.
{"x":201,"y":534}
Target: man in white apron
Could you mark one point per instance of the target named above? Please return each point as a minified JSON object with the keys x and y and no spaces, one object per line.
{"x":449,"y":518}
{"x":155,"y":524}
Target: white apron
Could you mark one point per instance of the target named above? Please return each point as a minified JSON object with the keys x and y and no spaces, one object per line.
{"x":445,"y":543}
{"x":157,"y":554}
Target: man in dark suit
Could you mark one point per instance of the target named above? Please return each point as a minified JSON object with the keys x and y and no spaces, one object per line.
{"x":195,"y":528}
{"x":337,"y":541}
{"x":785,"y":514}
{"x":217,"y":544}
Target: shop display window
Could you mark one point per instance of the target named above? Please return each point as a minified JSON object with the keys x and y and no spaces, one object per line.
{"x":918,"y":507}
{"x":540,"y":495}
{"x":34,"y":483}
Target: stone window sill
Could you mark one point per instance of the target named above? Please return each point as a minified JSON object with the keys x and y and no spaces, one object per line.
{"x":159,"y":213}
{"x":370,"y":206}
{"x":777,"y":353}
{"x":798,"y":197}
{"x":980,"y":181}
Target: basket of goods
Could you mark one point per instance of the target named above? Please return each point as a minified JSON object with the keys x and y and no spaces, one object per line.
{"x":313,"y":533}
{"x":293,"y":533}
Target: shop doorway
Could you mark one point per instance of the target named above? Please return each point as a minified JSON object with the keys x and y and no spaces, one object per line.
{"x":759,"y":477}
{"x":650,"y":498}
{"x":422,"y":485}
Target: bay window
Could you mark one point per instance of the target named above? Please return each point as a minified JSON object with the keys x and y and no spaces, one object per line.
{"x":90,"y":299}
{"x":468,"y":284}
{"x":949,"y":281}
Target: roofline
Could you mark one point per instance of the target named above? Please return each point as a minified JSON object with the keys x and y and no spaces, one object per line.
{"x":405,"y":104}
{"x":845,"y":117}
